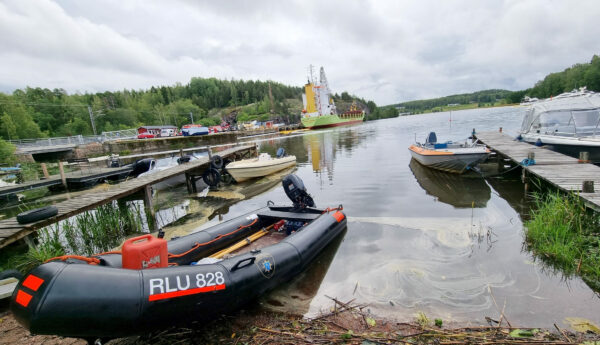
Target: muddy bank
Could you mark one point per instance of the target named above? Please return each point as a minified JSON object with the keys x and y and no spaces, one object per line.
{"x":344,"y":323}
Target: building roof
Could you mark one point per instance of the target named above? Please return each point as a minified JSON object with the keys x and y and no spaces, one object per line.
{"x":157,"y":127}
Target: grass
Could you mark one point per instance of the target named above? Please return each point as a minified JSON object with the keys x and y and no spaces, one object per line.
{"x":566,"y":235}
{"x":91,"y":232}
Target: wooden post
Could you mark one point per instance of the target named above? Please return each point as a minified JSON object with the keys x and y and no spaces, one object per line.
{"x":584,"y":157}
{"x":587,"y":187}
{"x":45,"y":171}
{"x":150,"y":215}
{"x":61,"y":169}
{"x":209,"y":154}
{"x":180,"y":152}
{"x":188,"y":183}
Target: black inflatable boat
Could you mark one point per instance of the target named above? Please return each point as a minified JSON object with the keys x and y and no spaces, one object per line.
{"x":104,"y":300}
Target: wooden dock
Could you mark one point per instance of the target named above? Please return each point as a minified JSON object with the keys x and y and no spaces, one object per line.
{"x":562,"y":171}
{"x":11,"y":230}
{"x":72,"y":179}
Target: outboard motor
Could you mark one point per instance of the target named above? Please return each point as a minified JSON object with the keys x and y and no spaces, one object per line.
{"x":295,"y":190}
{"x":184,"y":159}
{"x":142,"y":166}
{"x":431,"y":138}
{"x":280,"y":152}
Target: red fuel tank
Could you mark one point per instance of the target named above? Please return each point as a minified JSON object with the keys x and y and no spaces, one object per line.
{"x":144,"y":252}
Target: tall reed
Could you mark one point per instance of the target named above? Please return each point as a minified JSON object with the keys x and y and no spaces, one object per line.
{"x":566,"y":235}
{"x":88,"y":233}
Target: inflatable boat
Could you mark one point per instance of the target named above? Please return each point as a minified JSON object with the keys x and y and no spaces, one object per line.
{"x":152,"y":283}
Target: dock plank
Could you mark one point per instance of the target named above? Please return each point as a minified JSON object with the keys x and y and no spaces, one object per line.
{"x":560,"y":170}
{"x":11,"y":230}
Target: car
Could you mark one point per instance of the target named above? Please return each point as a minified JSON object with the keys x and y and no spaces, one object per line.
{"x":145,"y":136}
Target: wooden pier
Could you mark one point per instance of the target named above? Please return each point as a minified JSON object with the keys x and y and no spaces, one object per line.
{"x":11,"y":230}
{"x":72,"y":179}
{"x":562,"y":171}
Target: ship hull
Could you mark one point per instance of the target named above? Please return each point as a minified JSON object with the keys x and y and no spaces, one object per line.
{"x":329,"y":121}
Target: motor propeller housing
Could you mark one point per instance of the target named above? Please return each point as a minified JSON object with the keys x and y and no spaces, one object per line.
{"x":295,"y":190}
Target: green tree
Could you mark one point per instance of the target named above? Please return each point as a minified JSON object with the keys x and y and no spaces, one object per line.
{"x":7,"y":152}
{"x":8,"y":127}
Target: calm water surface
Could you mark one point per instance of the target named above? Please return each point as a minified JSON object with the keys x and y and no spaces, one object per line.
{"x":417,"y":240}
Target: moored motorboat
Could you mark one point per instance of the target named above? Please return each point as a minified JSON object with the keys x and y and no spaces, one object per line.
{"x":568,"y":123}
{"x":105,"y":299}
{"x":263,"y":165}
{"x":448,"y":156}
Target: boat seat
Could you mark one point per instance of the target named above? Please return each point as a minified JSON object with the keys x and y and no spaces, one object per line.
{"x":288,"y":215}
{"x":431,"y":138}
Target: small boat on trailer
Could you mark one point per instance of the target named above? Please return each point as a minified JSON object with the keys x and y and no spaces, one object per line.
{"x":114,"y":296}
{"x":449,"y":156}
{"x":261,"y":166}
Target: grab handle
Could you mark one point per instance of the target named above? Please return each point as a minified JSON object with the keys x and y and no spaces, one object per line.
{"x":139,"y":239}
{"x":243,"y":263}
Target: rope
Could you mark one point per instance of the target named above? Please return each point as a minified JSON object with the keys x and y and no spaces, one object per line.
{"x":91,"y":261}
{"x":527,"y":162}
{"x":198,"y":245}
{"x":327,"y":210}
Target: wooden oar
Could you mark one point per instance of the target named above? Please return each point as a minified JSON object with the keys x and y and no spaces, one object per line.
{"x":255,"y":236}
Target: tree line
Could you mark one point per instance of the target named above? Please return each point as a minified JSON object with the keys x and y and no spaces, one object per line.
{"x":480,"y":98}
{"x":574,"y":77}
{"x":38,"y":112}
{"x":41,"y":112}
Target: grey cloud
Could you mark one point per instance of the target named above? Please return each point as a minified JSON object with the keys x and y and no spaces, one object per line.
{"x":387,"y":51}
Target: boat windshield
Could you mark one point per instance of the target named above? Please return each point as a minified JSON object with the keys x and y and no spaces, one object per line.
{"x":567,"y":123}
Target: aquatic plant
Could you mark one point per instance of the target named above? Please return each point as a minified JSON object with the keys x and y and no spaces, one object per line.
{"x":564,"y":233}
{"x":88,"y":233}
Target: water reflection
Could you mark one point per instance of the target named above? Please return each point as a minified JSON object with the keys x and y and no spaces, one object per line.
{"x":296,"y":295}
{"x":461,"y":191}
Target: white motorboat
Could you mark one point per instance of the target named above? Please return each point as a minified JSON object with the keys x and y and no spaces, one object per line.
{"x":263,"y":165}
{"x":449,"y":156}
{"x":568,"y":123}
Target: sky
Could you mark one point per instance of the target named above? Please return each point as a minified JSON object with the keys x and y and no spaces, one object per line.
{"x":386,"y":51}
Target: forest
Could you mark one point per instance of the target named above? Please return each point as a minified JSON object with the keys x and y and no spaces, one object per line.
{"x":479,"y":98}
{"x":576,"y":76}
{"x":39,"y":113}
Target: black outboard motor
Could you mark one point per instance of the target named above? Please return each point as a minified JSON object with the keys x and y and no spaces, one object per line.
{"x":295,"y":190}
{"x":184,"y":159}
{"x":142,"y":165}
{"x":280,"y":152}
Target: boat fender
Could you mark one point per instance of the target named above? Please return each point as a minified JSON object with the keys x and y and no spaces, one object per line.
{"x":37,"y":214}
{"x":216,"y":162}
{"x":539,"y":143}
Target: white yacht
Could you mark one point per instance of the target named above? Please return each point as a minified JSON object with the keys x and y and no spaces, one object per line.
{"x":568,"y":123}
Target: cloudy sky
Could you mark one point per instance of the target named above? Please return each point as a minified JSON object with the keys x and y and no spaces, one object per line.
{"x":387,"y":51}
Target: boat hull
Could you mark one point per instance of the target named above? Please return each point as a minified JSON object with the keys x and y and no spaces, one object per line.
{"x":93,"y":301}
{"x":326,"y":121}
{"x":452,"y":162}
{"x":252,"y":168}
{"x":568,"y":146}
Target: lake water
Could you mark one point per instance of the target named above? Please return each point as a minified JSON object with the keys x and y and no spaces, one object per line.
{"x":416,"y":240}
